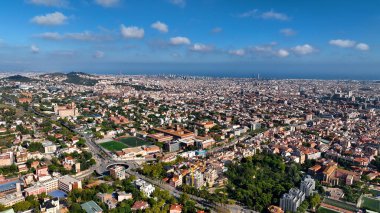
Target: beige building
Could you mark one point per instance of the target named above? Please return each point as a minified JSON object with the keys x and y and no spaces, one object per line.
{"x":13,"y":198}
{"x":66,"y":110}
{"x":118,"y":172}
{"x":211,"y":175}
{"x":51,"y":184}
{"x":6,"y":159}
{"x":68,"y":183}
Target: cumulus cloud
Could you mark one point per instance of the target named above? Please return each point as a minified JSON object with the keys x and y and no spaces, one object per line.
{"x":49,"y":3}
{"x":107,"y":3}
{"x":180,"y":3}
{"x":56,"y":18}
{"x":282,"y":53}
{"x":265,"y":15}
{"x":50,"y":36}
{"x":98,"y":54}
{"x":216,"y":30}
{"x":342,"y":43}
{"x":132,"y":32}
{"x":362,"y":46}
{"x":303,"y":49}
{"x":288,"y":32}
{"x":34,"y":49}
{"x":198,"y":47}
{"x":346,"y":43}
{"x":269,"y":50}
{"x":237,"y":52}
{"x":160,"y":26}
{"x":179,"y":40}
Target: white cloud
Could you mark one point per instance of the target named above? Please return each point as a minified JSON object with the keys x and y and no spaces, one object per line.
{"x":251,"y":13}
{"x":198,"y":47}
{"x":132,"y":32}
{"x":55,"y":18}
{"x":179,"y":40}
{"x":50,"y":3}
{"x":274,"y":15}
{"x":180,"y":3}
{"x":362,"y":46}
{"x":216,"y":30}
{"x":288,"y":32}
{"x":98,"y":54}
{"x":346,"y":43}
{"x":269,"y":50}
{"x":265,"y":15}
{"x":238,"y":52}
{"x":282,"y":53}
{"x":303,"y":49}
{"x":50,"y":36}
{"x":82,"y":36}
{"x":342,"y":43}
{"x":107,"y":3}
{"x":265,"y":49}
{"x":160,"y":26}
{"x":34,"y":49}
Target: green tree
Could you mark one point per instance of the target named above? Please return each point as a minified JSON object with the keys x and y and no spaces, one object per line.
{"x":315,"y":200}
{"x":75,"y":207}
{"x":22,"y":206}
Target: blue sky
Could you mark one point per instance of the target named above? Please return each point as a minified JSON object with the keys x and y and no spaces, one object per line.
{"x":230,"y":36}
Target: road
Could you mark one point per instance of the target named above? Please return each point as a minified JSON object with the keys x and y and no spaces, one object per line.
{"x":103,"y":159}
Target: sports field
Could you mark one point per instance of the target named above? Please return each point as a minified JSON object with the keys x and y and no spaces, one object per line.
{"x":113,"y":145}
{"x":133,"y":141}
{"x":371,"y":204}
{"x":326,"y":210}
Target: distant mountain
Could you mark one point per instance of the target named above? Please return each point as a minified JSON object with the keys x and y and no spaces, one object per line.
{"x":55,"y":74}
{"x":19,"y":78}
{"x":79,"y":78}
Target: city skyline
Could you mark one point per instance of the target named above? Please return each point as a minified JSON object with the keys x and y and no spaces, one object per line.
{"x":273,"y":38}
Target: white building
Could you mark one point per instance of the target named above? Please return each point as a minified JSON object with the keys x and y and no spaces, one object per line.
{"x":308,"y":186}
{"x":145,"y":187}
{"x":11,"y":199}
{"x":68,"y":183}
{"x":49,"y":147}
{"x":50,"y":206}
{"x":51,"y":184}
{"x":195,"y":179}
{"x":292,"y":200}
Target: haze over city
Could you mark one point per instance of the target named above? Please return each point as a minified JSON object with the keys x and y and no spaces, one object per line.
{"x":189,"y":106}
{"x":278,"y":39}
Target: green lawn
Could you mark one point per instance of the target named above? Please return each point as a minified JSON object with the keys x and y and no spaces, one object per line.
{"x":340,"y":204}
{"x":113,"y":145}
{"x":326,"y":210}
{"x":133,"y":141}
{"x":371,"y":204}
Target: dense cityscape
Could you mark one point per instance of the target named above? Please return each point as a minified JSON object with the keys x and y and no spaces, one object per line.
{"x":189,"y":106}
{"x":79,"y":142}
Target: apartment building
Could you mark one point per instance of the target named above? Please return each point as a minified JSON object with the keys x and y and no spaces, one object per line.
{"x":68,"y":183}
{"x":292,"y":200}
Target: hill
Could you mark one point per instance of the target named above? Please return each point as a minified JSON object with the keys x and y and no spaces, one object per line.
{"x":19,"y":78}
{"x":79,"y":78}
